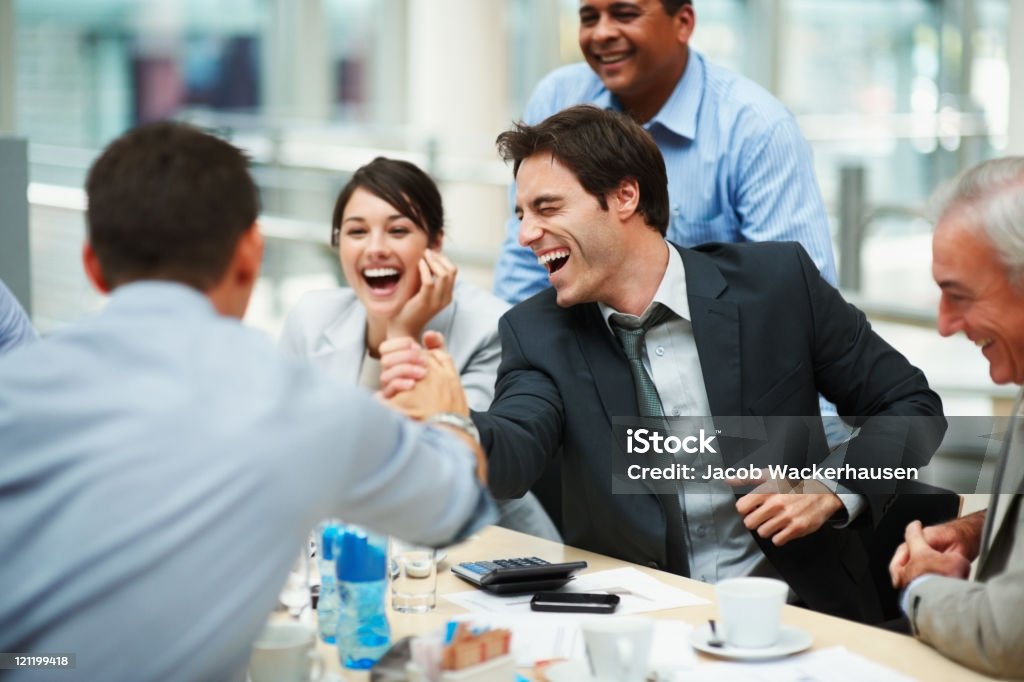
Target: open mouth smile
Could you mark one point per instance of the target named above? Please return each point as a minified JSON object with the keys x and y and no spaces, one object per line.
{"x":554,"y":260}
{"x":613,"y":58}
{"x":381,"y":281}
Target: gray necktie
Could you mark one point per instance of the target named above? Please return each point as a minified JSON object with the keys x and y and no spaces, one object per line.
{"x":631,"y":333}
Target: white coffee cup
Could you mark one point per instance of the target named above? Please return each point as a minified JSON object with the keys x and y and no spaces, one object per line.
{"x":750,"y":611}
{"x":618,"y":648}
{"x":285,"y":652}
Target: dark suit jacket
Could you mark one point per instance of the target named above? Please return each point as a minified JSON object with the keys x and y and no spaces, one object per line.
{"x":770,"y":335}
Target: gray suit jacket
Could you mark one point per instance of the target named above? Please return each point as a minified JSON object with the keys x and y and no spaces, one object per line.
{"x":329,"y":329}
{"x":980,"y":623}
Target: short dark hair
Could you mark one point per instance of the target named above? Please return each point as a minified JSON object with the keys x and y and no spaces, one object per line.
{"x":403,"y":185}
{"x":672,"y":6}
{"x":602,"y":148}
{"x":168,"y":201}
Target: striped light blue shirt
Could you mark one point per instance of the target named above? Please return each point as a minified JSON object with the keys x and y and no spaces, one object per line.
{"x":738,"y":167}
{"x":15,"y":327}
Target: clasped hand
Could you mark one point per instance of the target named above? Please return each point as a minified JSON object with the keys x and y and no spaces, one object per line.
{"x":946,"y":549}
{"x":421,"y":381}
{"x":783,"y":511}
{"x":425,"y":381}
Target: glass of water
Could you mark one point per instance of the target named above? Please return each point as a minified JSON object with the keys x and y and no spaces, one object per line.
{"x":413,"y":577}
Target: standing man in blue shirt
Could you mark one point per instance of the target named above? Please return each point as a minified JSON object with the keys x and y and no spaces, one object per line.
{"x":738,"y":168}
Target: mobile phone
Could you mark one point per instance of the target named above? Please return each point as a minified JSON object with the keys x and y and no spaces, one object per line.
{"x":574,"y":602}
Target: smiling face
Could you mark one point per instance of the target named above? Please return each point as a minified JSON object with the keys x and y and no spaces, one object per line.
{"x":637,"y":50}
{"x":977,"y":298}
{"x":579,"y":243}
{"x":380,"y":250}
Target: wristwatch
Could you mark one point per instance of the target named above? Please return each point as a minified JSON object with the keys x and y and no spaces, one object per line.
{"x":458,"y":421}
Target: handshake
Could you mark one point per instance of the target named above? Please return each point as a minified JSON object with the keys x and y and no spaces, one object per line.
{"x":423,"y":381}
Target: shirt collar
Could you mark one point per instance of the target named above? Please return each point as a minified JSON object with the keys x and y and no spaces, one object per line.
{"x":671,"y":291}
{"x":149,"y":296}
{"x":679,"y":113}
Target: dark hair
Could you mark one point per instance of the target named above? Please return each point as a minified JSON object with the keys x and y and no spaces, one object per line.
{"x":401,"y":184}
{"x":672,"y":6}
{"x":602,"y":148}
{"x":168,"y":201}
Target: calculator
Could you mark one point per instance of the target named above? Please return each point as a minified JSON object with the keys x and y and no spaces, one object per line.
{"x":524,"y":574}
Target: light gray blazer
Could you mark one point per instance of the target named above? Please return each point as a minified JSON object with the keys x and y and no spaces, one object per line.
{"x":980,"y":623}
{"x":329,"y":329}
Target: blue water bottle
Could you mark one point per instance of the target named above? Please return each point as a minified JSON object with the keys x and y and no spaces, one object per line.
{"x":328,"y":604}
{"x":363,"y":632}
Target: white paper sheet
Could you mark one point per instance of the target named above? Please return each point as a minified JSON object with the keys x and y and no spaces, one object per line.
{"x":835,"y":664}
{"x":639,"y":593}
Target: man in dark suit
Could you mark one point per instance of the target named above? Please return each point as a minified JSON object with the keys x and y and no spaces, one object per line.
{"x":726,"y":331}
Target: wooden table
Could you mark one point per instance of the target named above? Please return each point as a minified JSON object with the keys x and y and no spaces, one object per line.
{"x":896,"y":651}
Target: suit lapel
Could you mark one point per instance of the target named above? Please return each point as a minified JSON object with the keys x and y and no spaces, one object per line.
{"x":1008,"y":482}
{"x":606,"y":361}
{"x":343,"y":343}
{"x":716,"y":331}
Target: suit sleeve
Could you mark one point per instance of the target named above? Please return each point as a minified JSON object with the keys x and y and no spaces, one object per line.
{"x":478,"y":374}
{"x":522,"y":431}
{"x":978,"y":624}
{"x":873,"y":386}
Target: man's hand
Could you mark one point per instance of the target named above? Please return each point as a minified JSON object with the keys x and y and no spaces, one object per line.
{"x":421,"y":381}
{"x":785,"y":516}
{"x":424,"y":381}
{"x":402,"y":363}
{"x":959,"y":537}
{"x":918,"y":558}
{"x":437,"y":281}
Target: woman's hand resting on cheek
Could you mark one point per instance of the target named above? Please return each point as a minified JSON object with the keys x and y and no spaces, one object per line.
{"x":437,"y":281}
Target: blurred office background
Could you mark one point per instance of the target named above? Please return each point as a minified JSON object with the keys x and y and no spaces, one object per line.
{"x":894,"y":96}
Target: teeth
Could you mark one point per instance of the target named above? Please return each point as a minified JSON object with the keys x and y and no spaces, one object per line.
{"x":553,"y":255}
{"x":611,"y":58}
{"x":981,"y":343}
{"x":380,"y":272}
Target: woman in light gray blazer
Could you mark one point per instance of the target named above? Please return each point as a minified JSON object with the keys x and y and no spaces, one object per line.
{"x":388,"y":228}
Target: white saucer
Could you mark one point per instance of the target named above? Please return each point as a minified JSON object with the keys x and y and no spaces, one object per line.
{"x":791,"y":640}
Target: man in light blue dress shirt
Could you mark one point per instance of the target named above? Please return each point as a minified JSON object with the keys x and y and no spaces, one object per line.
{"x":738,"y":168}
{"x":161,"y":464}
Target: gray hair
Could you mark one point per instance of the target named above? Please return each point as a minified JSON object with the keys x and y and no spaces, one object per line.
{"x":990,"y":197}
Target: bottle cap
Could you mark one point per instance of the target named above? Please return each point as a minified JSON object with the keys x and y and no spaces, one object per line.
{"x":362,"y":560}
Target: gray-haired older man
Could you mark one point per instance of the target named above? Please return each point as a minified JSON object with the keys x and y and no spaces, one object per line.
{"x":978,"y":263}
